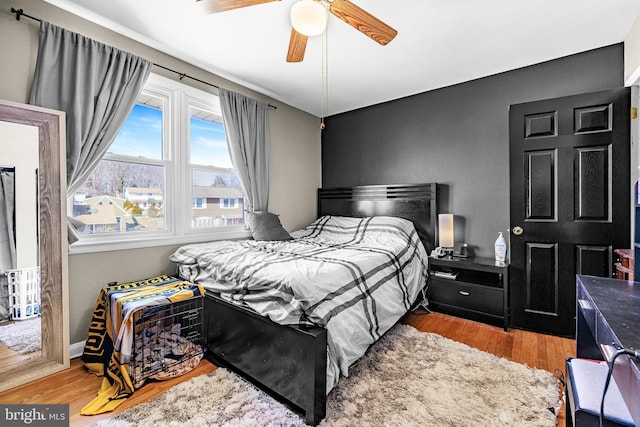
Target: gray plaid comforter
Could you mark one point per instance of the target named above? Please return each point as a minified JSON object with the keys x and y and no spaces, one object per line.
{"x":353,"y":276}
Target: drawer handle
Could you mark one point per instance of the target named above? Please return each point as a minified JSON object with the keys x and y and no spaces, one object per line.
{"x":465,"y":293}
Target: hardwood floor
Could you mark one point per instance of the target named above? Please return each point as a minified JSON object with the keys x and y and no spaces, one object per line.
{"x":9,"y":357}
{"x":77,"y":387}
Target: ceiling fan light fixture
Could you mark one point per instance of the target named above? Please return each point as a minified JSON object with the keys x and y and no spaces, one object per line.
{"x":309,"y":17}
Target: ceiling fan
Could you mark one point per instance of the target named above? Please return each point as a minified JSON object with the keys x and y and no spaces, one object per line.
{"x":348,"y":12}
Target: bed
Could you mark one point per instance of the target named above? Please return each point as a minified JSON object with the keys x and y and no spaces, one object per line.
{"x":282,"y":323}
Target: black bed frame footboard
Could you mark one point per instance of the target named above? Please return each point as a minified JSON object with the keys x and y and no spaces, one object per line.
{"x":287,"y":362}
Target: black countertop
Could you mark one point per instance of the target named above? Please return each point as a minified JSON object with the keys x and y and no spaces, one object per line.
{"x":619,"y":303}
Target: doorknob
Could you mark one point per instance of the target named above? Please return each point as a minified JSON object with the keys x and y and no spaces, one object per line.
{"x":517,"y":230}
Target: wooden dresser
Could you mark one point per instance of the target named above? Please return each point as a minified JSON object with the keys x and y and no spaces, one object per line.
{"x":624,"y":267}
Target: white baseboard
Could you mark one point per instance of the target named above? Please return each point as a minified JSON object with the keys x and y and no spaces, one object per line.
{"x":75,"y":349}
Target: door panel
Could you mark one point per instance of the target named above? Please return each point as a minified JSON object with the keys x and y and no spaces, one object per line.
{"x":593,"y":119}
{"x":570,"y":193}
{"x":544,"y":124}
{"x":541,"y":185}
{"x":594,"y":260}
{"x":592,"y":180}
{"x":542,"y":283}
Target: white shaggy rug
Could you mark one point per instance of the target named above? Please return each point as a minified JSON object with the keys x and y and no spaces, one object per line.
{"x":23,"y":336}
{"x":408,"y":378}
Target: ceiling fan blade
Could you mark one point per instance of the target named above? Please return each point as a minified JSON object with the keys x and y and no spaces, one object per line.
{"x":297,"y":46}
{"x":215,"y":6}
{"x":363,"y":21}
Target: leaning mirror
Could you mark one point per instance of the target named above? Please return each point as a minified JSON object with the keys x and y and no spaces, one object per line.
{"x":33,"y":243}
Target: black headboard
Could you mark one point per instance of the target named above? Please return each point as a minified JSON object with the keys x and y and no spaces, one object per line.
{"x":415,"y":202}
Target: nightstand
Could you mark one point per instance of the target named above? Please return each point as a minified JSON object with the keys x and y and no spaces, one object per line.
{"x":474,"y":288}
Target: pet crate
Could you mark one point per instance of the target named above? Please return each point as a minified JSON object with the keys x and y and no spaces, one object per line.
{"x":168,"y":340}
{"x":24,"y":293}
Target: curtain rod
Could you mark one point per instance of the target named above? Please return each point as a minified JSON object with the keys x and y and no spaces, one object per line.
{"x":19,"y":13}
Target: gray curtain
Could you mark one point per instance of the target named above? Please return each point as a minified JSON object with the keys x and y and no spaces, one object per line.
{"x":7,"y":221}
{"x":246,"y":125}
{"x":95,"y":85}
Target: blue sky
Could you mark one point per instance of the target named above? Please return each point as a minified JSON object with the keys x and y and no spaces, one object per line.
{"x":141,"y":136}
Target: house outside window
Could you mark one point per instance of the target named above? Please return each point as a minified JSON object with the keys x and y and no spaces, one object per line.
{"x":138,"y":195}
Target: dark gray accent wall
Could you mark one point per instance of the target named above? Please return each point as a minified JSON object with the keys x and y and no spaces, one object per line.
{"x":457,"y":136}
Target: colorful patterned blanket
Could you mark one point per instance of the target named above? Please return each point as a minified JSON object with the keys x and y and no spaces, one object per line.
{"x":110,"y":338}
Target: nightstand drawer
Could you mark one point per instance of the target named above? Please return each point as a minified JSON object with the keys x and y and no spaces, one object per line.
{"x":467,"y":296}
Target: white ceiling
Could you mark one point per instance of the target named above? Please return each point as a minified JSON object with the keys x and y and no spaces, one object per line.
{"x":439,"y":42}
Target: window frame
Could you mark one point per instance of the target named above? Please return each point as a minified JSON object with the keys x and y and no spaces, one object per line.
{"x":178,"y":98}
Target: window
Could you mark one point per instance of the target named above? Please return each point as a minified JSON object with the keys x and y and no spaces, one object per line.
{"x":229,"y":203}
{"x":199,"y":203}
{"x":212,"y":176}
{"x":166,"y":178}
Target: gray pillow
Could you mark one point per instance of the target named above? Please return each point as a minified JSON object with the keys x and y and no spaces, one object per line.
{"x":266,"y":226}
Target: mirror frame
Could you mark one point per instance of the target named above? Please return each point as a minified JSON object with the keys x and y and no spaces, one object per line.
{"x":53,"y":242}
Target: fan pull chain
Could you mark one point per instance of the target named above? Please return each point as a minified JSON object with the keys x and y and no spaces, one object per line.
{"x":324,"y":101}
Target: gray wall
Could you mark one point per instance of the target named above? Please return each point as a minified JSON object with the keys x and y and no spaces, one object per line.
{"x":457,"y":136}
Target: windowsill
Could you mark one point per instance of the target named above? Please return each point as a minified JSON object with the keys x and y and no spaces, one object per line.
{"x":87,"y":245}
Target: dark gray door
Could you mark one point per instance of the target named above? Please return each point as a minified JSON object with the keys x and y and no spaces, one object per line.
{"x":570,"y":201}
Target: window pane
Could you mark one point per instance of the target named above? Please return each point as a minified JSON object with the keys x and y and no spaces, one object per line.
{"x":218,"y":200}
{"x":141,"y":134}
{"x":208,"y":143}
{"x":121,"y":197}
{"x":130,"y":190}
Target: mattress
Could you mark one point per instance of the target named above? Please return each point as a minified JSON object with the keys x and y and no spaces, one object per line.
{"x":356,"y":277}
